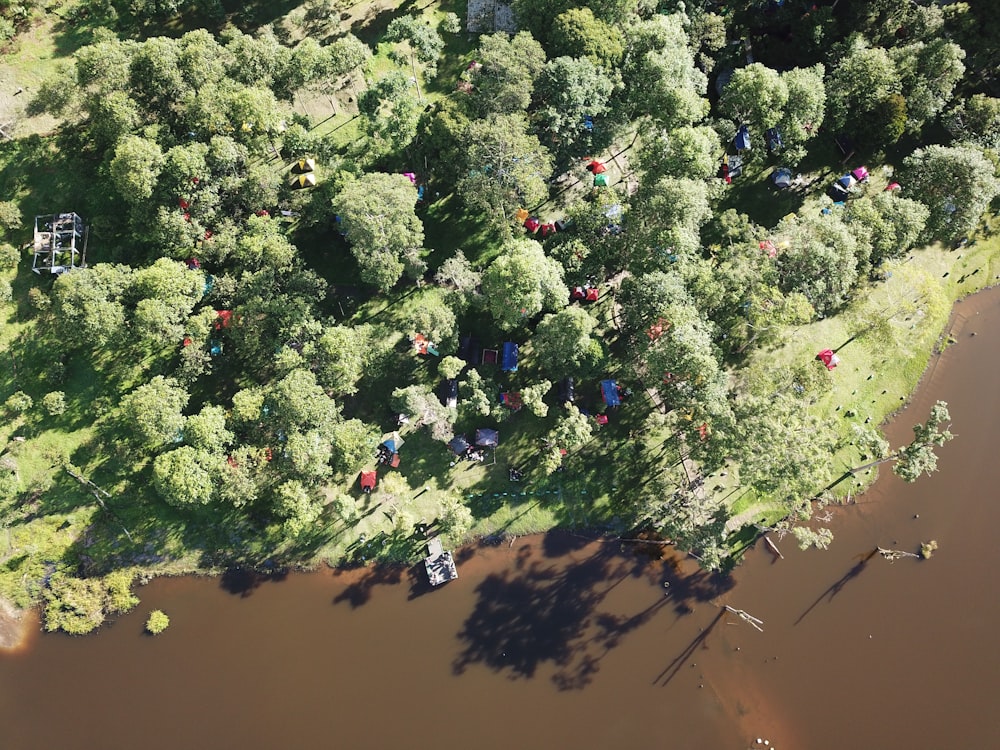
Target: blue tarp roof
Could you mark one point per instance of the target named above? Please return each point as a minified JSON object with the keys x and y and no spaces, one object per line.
{"x":742,"y":139}
{"x":609,"y":392}
{"x":487,"y":438}
{"x":508,"y":361}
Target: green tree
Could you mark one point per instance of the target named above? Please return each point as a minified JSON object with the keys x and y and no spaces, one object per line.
{"x":423,"y":39}
{"x":451,"y":367}
{"x":157,"y":622}
{"x":54,"y":403}
{"x":889,"y":223}
{"x":377,"y":213}
{"x":532,"y":396}
{"x":858,"y":90}
{"x":819,"y":259}
{"x":507,"y":168}
{"x":135,"y":168}
{"x":424,"y":408}
{"x":353,"y":443}
{"x":521,"y":283}
{"x":298,"y":508}
{"x":152,"y":413}
{"x":563,"y":343}
{"x":577,"y":33}
{"x":957,"y":184}
{"x":183,"y":477}
{"x":691,"y":152}
{"x":976,"y":121}
{"x":756,"y":96}
{"x":569,"y":91}
{"x":206,"y":430}
{"x":928,"y":72}
{"x":341,"y":355}
{"x":504,"y":77}
{"x":917,"y":458}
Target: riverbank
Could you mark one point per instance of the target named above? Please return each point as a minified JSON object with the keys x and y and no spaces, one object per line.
{"x":15,"y":625}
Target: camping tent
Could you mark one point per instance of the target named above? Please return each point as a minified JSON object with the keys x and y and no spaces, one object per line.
{"x":609,"y":392}
{"x":596,"y":167}
{"x":459,"y":445}
{"x":774,"y":141}
{"x":578,"y":293}
{"x":742,"y":139}
{"x":449,"y":392}
{"x":860,"y":174}
{"x":592,"y":294}
{"x":847,"y":182}
{"x":782,"y":177}
{"x":600,"y":180}
{"x":486,"y":438}
{"x":828,"y":358}
{"x":392,"y":441}
{"x":893,"y":186}
{"x":508,"y":361}
{"x":303,"y":181}
{"x":368,"y":480}
{"x":303,"y":166}
{"x":548,"y":229}
{"x":532,"y":224}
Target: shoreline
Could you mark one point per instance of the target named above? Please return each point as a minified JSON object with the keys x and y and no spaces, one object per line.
{"x":14,"y":626}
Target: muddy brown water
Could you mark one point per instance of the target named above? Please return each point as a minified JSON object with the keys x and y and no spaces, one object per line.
{"x":557,"y":641}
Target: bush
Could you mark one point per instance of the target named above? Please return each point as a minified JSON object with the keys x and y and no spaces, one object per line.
{"x":119,"y":585}
{"x":18,"y":403}
{"x":9,"y":256}
{"x":157,"y":622}
{"x":74,"y":605}
{"x":54,"y":403}
{"x":6,"y":291}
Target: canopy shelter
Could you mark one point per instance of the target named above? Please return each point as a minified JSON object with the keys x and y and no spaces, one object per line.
{"x":392,"y":441}
{"x":742,"y":139}
{"x":774,"y":141}
{"x":304,"y":166}
{"x":459,"y":445}
{"x":439,"y":563}
{"x":486,"y":438}
{"x":828,"y":358}
{"x":782,"y":177}
{"x":368,"y":481}
{"x":60,"y":243}
{"x":860,"y":174}
{"x":532,"y":224}
{"x":596,"y":167}
{"x":300,"y":181}
{"x":567,"y":391}
{"x":609,"y":392}
{"x":600,"y":180}
{"x":508,"y":360}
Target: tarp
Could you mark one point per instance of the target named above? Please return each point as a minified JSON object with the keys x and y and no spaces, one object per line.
{"x":411,"y":177}
{"x":782,"y":177}
{"x":860,"y":174}
{"x":486,"y":438}
{"x":508,"y":360}
{"x":596,"y":167}
{"x":368,"y":480}
{"x":609,"y":392}
{"x":459,"y":445}
{"x":742,"y":139}
{"x":532,"y":224}
{"x":828,"y":358}
{"x":600,"y":180}
{"x":392,"y":441}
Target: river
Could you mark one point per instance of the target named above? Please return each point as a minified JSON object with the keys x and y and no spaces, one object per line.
{"x":558,"y":641}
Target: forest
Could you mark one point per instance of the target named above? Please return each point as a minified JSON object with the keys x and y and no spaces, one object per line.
{"x":285,"y":284}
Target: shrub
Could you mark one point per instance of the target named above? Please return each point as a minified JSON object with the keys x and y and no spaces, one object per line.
{"x":119,"y":585}
{"x":18,"y":403}
{"x":9,"y":256}
{"x":54,"y":403}
{"x":6,"y":291}
{"x":157,"y":622}
{"x":74,"y":605}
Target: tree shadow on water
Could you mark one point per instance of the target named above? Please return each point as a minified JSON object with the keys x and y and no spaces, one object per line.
{"x":837,"y":586}
{"x":360,"y":591}
{"x":540,"y":614}
{"x":241,"y":581}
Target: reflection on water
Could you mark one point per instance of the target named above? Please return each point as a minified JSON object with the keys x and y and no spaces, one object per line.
{"x":557,"y":640}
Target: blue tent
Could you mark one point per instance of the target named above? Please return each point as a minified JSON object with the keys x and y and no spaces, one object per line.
{"x":774,"y":141}
{"x":742,"y":139}
{"x":609,"y":392}
{"x":459,"y":445}
{"x":846,"y":182}
{"x":508,"y":361}
{"x":486,"y":438}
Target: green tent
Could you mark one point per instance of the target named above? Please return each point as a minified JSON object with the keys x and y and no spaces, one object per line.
{"x":600,"y":180}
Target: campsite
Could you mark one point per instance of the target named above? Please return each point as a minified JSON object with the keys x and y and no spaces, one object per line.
{"x":292,"y":280}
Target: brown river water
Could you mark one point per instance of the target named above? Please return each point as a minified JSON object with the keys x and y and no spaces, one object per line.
{"x":555,"y":641}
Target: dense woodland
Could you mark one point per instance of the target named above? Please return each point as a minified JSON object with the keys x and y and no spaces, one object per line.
{"x":205,"y":392}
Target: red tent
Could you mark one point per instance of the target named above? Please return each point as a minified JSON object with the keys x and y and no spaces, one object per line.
{"x":548,"y":229}
{"x":893,"y":186}
{"x":368,"y":480}
{"x":532,"y":224}
{"x":596,"y":167}
{"x":592,"y":294}
{"x":769,"y":247}
{"x":602,"y":419}
{"x":828,"y":358}
{"x":224,"y":319}
{"x":578,"y":293}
